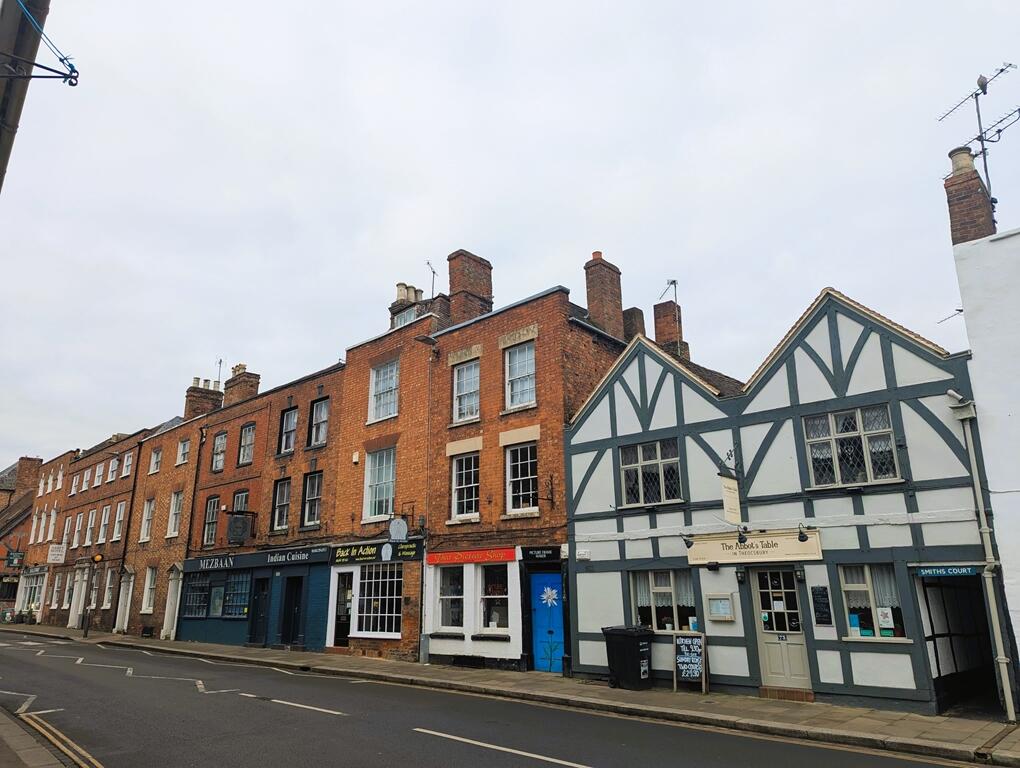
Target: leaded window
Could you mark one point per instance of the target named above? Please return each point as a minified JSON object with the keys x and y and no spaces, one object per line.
{"x":851,"y":447}
{"x":650,"y":472}
{"x":465,"y":485}
{"x":380,"y":598}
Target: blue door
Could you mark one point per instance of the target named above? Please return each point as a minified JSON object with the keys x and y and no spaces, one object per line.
{"x":547,"y":621}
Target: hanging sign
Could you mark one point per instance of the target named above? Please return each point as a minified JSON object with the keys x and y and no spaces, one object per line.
{"x":238,"y":528}
{"x":777,"y":547}
{"x":689,"y":654}
{"x":15,"y":559}
{"x":730,"y":498}
{"x":56,"y":554}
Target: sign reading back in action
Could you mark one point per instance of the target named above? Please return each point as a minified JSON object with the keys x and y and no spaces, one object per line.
{"x":501,"y":555}
{"x":934,"y":571}
{"x":378,"y":552}
{"x":773,"y":547}
{"x":56,"y":554}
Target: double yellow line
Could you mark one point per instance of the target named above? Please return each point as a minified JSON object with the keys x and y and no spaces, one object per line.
{"x":73,"y":750}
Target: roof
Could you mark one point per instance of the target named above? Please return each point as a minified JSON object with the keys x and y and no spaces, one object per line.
{"x":726,"y":385}
{"x":9,"y":478}
{"x":486,"y":315}
{"x":13,"y":514}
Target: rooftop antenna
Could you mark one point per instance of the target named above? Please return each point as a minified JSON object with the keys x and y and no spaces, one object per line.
{"x":986,"y":136}
{"x":219,"y":369}
{"x":433,"y":271}
{"x":671,"y":283}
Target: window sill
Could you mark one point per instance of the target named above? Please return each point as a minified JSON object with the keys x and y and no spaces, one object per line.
{"x":891,"y":640}
{"x":279,"y":532}
{"x":464,"y":422}
{"x":646,"y":506}
{"x":143,"y":612}
{"x":176,"y":464}
{"x":151,"y":472}
{"x":284,"y":454}
{"x":244,"y":464}
{"x":462,"y":519}
{"x":316,"y":447}
{"x":172,"y":535}
{"x":443,"y":635}
{"x":380,"y":420}
{"x":216,"y":471}
{"x":522,"y":515}
{"x":310,"y":527}
{"x":491,"y":638}
{"x":376,"y":635}
{"x":518,"y":409}
{"x":140,"y":541}
{"x":849,"y":487}
{"x":376,"y":519}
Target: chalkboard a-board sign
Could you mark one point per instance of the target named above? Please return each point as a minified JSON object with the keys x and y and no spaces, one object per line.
{"x":822,"y":608}
{"x":689,"y":654}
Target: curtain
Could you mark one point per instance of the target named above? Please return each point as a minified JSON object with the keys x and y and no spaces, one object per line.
{"x":644,"y":595}
{"x":684,"y":588}
{"x":883,"y":582}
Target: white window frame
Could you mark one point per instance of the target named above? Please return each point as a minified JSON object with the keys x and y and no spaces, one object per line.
{"x":211,"y":521}
{"x":155,"y":460}
{"x":457,"y":488}
{"x":371,"y":497}
{"x":93,"y":588}
{"x":508,"y":451}
{"x":461,"y":394}
{"x":89,"y":527}
{"x":356,"y":603}
{"x":42,"y":486}
{"x":654,"y":590}
{"x":111,"y":473}
{"x":868,"y":586}
{"x":865,"y":436}
{"x":642,"y":464}
{"x":246,"y":443}
{"x":53,"y":523}
{"x":219,"y":451}
{"x":318,"y":432}
{"x":379,"y":402}
{"x":148,"y":512}
{"x":60,"y":477}
{"x":78,"y":520}
{"x":440,"y":597}
{"x":183,"y":450}
{"x":74,"y":484}
{"x":55,"y":598}
{"x":508,"y":380}
{"x":118,"y":521}
{"x":86,"y":476}
{"x":104,"y":525}
{"x":98,"y":475}
{"x":128,"y":460}
{"x":173,"y":520}
{"x":108,"y":589}
{"x":149,"y":592}
{"x":280,"y":523}
{"x":49,"y":482}
{"x":481,"y":627}
{"x":67,"y":529}
{"x":288,"y":431}
{"x":405,"y":316}
{"x":306,"y":499}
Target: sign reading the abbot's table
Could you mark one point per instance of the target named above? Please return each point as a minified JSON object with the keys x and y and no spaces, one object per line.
{"x":760,"y":548}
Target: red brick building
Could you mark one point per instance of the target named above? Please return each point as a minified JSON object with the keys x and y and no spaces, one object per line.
{"x":18,"y":526}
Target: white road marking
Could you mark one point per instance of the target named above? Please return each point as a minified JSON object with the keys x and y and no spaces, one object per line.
{"x":29,"y":642}
{"x":308,"y":706}
{"x":4,"y":645}
{"x":44,"y":711}
{"x":498,"y":748}
{"x":248,"y":695}
{"x":29,"y":698}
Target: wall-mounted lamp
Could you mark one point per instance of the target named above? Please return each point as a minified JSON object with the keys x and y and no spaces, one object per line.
{"x":741,"y":574}
{"x":798,"y":572}
{"x":687,"y":540}
{"x":801,"y":533}
{"x":741,"y":537}
{"x":712,"y":566}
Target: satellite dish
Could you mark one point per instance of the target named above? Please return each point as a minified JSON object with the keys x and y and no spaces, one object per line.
{"x":398,"y":529}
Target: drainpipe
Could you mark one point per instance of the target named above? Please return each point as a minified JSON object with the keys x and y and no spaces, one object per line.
{"x":965,"y":412}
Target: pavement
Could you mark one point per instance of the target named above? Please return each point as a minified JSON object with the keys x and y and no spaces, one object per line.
{"x":300,"y":676}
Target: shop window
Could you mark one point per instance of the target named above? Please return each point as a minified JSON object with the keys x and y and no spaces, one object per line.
{"x":664,"y":600}
{"x":465,"y":485}
{"x":235,"y":596}
{"x":196,"y":596}
{"x":851,"y":447}
{"x":451,"y":596}
{"x":216,"y":594}
{"x":495,"y":597}
{"x":650,"y":472}
{"x":872,"y":601}
{"x":380,"y":599}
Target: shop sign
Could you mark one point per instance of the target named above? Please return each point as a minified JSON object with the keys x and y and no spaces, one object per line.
{"x":9,"y":580}
{"x":56,"y":554}
{"x":379,"y":552}
{"x":730,"y":498}
{"x":540,"y":554}
{"x":934,"y":571}
{"x":821,"y":606}
{"x":301,"y":556}
{"x":35,"y":570}
{"x":775,"y":547}
{"x":501,"y":555}
{"x":15,"y":559}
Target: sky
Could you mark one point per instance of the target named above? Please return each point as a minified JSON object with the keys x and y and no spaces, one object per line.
{"x":249,"y":181}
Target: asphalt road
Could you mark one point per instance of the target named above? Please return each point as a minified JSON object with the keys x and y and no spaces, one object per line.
{"x":131,"y":708}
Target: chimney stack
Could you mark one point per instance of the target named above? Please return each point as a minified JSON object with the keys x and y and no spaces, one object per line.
{"x":605,"y":298}
{"x":201,"y":399}
{"x":971,"y":215}
{"x":28,"y":476}
{"x":669,"y":330}
{"x":240,"y":386}
{"x":633,"y":323}
{"x":470,"y":286}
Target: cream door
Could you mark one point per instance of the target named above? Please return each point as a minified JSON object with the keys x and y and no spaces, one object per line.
{"x":782,"y":650}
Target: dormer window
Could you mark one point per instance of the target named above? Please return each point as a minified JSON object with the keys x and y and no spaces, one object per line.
{"x":405,"y":316}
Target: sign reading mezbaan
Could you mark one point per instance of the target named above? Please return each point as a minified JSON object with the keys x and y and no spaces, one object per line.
{"x":776,"y":547}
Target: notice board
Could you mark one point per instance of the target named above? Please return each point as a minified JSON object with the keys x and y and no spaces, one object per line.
{"x":690,"y":663}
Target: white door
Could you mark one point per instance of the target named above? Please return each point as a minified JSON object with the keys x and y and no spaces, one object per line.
{"x":173,"y":594}
{"x":782,"y":651}
{"x":127,"y":585}
{"x":77,"y":597}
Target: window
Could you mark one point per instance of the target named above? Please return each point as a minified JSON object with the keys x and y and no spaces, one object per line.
{"x":451,"y":596}
{"x":465,"y":391}
{"x":240,"y":501}
{"x":465,"y":485}
{"x":212,"y":509}
{"x":173,"y":522}
{"x":495,"y":600}
{"x":288,"y":428}
{"x":60,"y":477}
{"x":31,"y":533}
{"x":196,"y":596}
{"x":380,"y":476}
{"x":147,"y":512}
{"x":84,"y":480}
{"x":99,"y":473}
{"x":235,"y":596}
{"x":404,"y":317}
{"x":118,"y":522}
{"x":42,"y":486}
{"x":111,"y":475}
{"x":385,"y":385}
{"x":281,"y":504}
{"x":663,"y":600}
{"x":777,"y":597}
{"x":53,"y":523}
{"x":67,"y":529}
{"x":312,"y":499}
{"x":246,"y":445}
{"x":183,"y":449}
{"x":219,"y":451}
{"x":77,"y":529}
{"x":49,"y":481}
{"x":650,"y":472}
{"x":149,"y":594}
{"x":380,"y":598}
{"x":319,"y":424}
{"x":872,"y":601}
{"x":520,"y":375}
{"x":68,"y":587}
{"x":155,"y":460}
{"x":104,"y":525}
{"x":74,"y":485}
{"x":55,"y":598}
{"x":851,"y":447}
{"x":128,"y":457}
{"x":89,"y":527}
{"x":94,"y":590}
{"x":108,"y":589}
{"x":522,"y":478}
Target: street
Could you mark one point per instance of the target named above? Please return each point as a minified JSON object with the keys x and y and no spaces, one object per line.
{"x":128,"y":708}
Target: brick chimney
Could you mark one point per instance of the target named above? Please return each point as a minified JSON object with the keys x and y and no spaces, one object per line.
{"x":240,"y":386}
{"x":470,"y":286}
{"x":971,"y":215}
{"x":633,"y":323}
{"x":27,"y":477}
{"x":605,"y":299}
{"x":669,"y":330}
{"x":201,"y":397}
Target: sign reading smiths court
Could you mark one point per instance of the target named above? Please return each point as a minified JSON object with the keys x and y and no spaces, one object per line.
{"x":759,"y":548}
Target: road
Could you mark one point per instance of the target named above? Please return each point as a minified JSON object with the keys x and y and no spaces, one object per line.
{"x":129,"y":708}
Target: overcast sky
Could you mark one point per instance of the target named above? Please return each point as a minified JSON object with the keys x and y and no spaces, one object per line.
{"x":248,"y":181}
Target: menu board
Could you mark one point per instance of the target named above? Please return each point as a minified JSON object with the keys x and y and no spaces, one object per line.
{"x":822,"y":608}
{"x":689,"y":648}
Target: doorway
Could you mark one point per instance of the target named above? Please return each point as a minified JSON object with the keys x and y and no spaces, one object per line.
{"x":127,"y":587}
{"x":259,"y":613}
{"x":173,"y":594}
{"x":290,"y":621}
{"x":344,"y":601}
{"x":546,"y":602}
{"x":782,"y":649}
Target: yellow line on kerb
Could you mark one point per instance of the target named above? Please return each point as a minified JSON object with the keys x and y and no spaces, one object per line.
{"x":69,"y":747}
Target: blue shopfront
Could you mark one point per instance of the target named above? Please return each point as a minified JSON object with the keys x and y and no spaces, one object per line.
{"x":274,"y":598}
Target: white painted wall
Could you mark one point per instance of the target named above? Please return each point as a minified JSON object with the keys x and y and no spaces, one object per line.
{"x":989,"y":272}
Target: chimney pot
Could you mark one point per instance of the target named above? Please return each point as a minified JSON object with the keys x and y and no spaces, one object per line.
{"x":596,"y":254}
{"x":409,"y":292}
{"x":216,"y":385}
{"x":194,"y":381}
{"x":401,"y":291}
{"x":605,"y":297}
{"x":419,"y":294}
{"x":238,"y":369}
{"x":205,"y":383}
{"x":963,"y":160}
